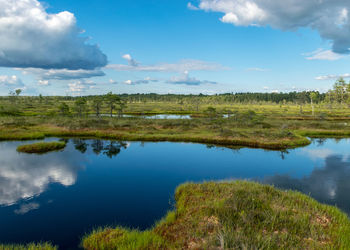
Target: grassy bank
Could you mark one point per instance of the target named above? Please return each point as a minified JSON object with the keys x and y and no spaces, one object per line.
{"x":235,"y":215}
{"x":227,"y":132}
{"x":43,"y":246}
{"x":41,"y":147}
{"x":244,"y":129}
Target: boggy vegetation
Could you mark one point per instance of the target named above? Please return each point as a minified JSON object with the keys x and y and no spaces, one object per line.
{"x":41,"y":147}
{"x":265,"y":120}
{"x":247,"y":129}
{"x":260,"y":128}
{"x":235,"y":215}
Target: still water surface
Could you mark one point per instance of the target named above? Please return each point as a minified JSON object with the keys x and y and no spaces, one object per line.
{"x":60,"y":196}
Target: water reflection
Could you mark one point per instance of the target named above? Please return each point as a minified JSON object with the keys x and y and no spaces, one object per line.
{"x":108,"y":148}
{"x":24,"y":176}
{"x":328,"y":184}
{"x":94,"y":183}
{"x":80,"y":145}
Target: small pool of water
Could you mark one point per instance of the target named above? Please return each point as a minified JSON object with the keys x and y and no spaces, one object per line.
{"x":160,"y":116}
{"x":60,"y":196}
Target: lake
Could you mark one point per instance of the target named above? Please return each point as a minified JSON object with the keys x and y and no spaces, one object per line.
{"x":60,"y":196}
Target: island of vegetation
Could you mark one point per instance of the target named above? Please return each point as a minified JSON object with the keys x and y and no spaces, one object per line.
{"x":262,"y":120}
{"x":235,"y":215}
{"x":41,"y":147}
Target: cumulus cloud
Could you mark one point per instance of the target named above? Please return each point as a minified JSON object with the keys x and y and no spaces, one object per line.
{"x":188,"y":64}
{"x":130,"y":60}
{"x":31,"y":37}
{"x":184,"y":78}
{"x":81,"y":86}
{"x":11,"y":81}
{"x":330,"y":18}
{"x":322,"y":54}
{"x":63,"y":74}
{"x":43,"y":83}
{"x":332,"y":77}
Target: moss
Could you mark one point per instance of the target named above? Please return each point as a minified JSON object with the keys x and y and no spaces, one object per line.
{"x":41,"y":147}
{"x":234,"y":215}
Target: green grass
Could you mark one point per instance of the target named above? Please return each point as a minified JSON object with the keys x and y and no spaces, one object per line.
{"x":32,"y":246}
{"x":268,"y":126}
{"x":235,"y":215}
{"x":41,"y":147}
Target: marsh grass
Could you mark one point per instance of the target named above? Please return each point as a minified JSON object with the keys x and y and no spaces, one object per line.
{"x":219,"y":131}
{"x":41,"y":147}
{"x":266,"y":127}
{"x":235,"y":215}
{"x":31,"y":246}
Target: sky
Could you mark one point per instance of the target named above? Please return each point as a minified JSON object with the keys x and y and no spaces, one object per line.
{"x":88,"y":47}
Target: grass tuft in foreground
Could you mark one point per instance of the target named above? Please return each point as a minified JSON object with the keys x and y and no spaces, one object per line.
{"x":32,"y":246}
{"x":41,"y":147}
{"x":235,"y":215}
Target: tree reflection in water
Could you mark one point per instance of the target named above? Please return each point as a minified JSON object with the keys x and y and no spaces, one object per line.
{"x":108,"y":148}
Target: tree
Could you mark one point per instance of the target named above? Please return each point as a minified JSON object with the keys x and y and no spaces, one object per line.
{"x":121,"y":107}
{"x":41,"y":98}
{"x":340,"y":90}
{"x":80,"y":105}
{"x":313,"y":98}
{"x":302,"y":98}
{"x":97,"y":103}
{"x":111,"y":100}
{"x":18,"y":92}
{"x":63,"y":108}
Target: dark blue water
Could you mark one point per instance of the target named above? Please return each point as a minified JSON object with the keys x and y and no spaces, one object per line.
{"x":60,"y":196}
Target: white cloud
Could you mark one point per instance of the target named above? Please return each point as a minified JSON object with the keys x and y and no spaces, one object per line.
{"x":81,"y":86}
{"x":43,"y":83}
{"x":332,"y":77}
{"x":322,"y":54}
{"x":257,"y":69}
{"x":130,"y":60}
{"x":31,"y":37}
{"x":11,"y":81}
{"x":329,"y":17}
{"x":184,"y":78}
{"x":192,"y":7}
{"x":188,"y":64}
{"x":144,"y":81}
{"x":63,"y":74}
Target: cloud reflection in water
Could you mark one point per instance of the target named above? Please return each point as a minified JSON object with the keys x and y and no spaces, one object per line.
{"x":329,"y":184}
{"x":24,"y":176}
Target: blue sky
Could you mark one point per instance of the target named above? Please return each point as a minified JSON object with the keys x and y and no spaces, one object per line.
{"x":168,"y":46}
